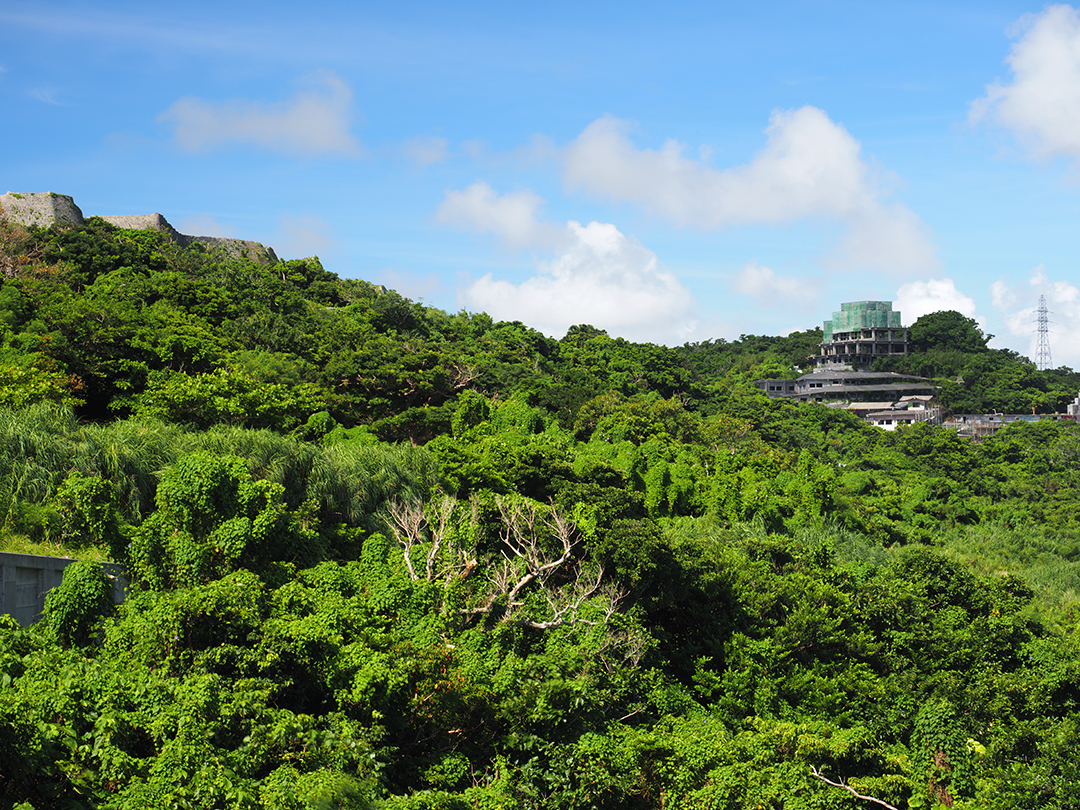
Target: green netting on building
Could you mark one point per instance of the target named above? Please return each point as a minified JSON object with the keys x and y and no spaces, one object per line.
{"x":858,"y":315}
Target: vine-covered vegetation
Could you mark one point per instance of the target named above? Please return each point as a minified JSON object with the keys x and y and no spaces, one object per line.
{"x":383,"y":556}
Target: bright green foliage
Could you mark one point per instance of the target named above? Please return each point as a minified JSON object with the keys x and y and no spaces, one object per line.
{"x":88,"y":514}
{"x":84,"y":598}
{"x":387,"y":556}
{"x":228,"y":396}
{"x":943,"y":754}
{"x":947,"y":330}
{"x":472,"y":409}
{"x":22,"y":385}
{"x":212,"y":517}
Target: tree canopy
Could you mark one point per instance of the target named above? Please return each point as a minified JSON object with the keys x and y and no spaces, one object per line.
{"x":948,"y":330}
{"x":385,"y":556}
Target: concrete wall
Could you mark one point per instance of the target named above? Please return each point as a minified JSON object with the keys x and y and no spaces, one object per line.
{"x":26,"y":578}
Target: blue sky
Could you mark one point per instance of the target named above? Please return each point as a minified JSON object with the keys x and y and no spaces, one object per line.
{"x":668,"y":174}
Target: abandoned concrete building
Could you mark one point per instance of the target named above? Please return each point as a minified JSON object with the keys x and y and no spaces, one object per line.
{"x":860,"y":333}
{"x":882,"y":398}
{"x":849,"y":386}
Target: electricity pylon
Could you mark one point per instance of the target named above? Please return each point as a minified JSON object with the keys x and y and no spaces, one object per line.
{"x":1042,"y":345}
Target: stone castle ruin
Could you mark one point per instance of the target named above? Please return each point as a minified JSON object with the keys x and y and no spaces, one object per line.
{"x":43,"y":209}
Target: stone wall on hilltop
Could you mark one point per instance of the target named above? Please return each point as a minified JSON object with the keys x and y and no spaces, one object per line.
{"x":237,"y":248}
{"x":147,"y":222}
{"x":46,"y":208}
{"x":39,"y":208}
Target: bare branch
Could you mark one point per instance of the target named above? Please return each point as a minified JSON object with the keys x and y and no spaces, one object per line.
{"x":851,"y":790}
{"x":501,"y":580}
{"x":406,"y":521}
{"x":538,"y":544}
{"x":566,"y":602}
{"x":462,"y":375}
{"x":443,"y":510}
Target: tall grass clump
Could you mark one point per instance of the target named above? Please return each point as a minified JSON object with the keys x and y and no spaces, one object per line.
{"x":35,"y":453}
{"x":354,"y":481}
{"x":1047,"y":561}
{"x":349,"y":482}
{"x":131,"y":455}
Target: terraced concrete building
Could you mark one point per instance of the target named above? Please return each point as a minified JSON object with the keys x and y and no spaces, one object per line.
{"x":860,"y":333}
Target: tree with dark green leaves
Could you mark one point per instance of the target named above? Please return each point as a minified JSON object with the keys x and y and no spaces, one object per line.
{"x":947,"y":330}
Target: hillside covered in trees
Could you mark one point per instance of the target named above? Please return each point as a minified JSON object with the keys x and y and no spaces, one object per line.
{"x":384,"y":556}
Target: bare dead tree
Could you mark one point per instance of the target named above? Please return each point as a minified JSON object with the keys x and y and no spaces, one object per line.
{"x":406,"y":520}
{"x":412,"y":527}
{"x":539,"y":544}
{"x":850,"y":790}
{"x":462,"y":374}
{"x":565,"y":603}
{"x":621,"y":649}
{"x":443,"y":510}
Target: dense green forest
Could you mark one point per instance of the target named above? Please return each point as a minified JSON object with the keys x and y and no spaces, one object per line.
{"x":384,"y":556}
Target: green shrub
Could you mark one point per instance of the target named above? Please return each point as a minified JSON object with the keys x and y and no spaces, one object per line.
{"x":84,"y":598}
{"x":87,"y":509}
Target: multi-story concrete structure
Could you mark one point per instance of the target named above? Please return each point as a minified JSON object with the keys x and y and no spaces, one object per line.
{"x":882,"y":398}
{"x":860,"y":333}
{"x":849,"y":386}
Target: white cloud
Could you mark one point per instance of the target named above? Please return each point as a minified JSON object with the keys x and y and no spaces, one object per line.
{"x":512,"y":216}
{"x":46,"y":95}
{"x":764,"y":285}
{"x":918,"y":298}
{"x":205,"y":225}
{"x":1042,"y":103}
{"x":540,"y":150}
{"x":315,"y":121}
{"x":412,"y":285}
{"x":1018,"y":306}
{"x":302,"y":235}
{"x":604,"y":278}
{"x":426,"y":151}
{"x":809,"y":168}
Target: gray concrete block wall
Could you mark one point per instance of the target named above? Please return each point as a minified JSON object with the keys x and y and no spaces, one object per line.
{"x":26,"y":578}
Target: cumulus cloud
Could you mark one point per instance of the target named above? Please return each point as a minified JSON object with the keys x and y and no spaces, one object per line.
{"x":426,"y":151}
{"x":315,"y":121}
{"x":1018,"y":306}
{"x":604,"y":278}
{"x":810,"y":167}
{"x":920,"y":298}
{"x":511,"y":216}
{"x":1041,"y":104}
{"x":764,"y":285}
